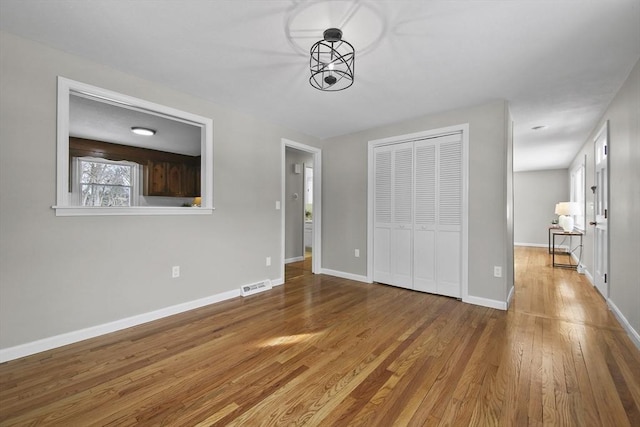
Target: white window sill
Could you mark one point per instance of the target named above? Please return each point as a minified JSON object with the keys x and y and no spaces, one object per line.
{"x":135,"y":210}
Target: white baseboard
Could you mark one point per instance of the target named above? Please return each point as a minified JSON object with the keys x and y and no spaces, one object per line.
{"x":541,"y":245}
{"x":277,"y":282}
{"x":49,"y":343}
{"x":485,"y":302}
{"x":294,"y":259}
{"x":633,"y":334}
{"x":589,"y":277}
{"x":343,"y":275}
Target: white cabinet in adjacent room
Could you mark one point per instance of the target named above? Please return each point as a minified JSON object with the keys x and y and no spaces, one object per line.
{"x":308,"y":235}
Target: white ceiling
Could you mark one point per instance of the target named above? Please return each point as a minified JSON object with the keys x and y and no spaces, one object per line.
{"x":558,"y":62}
{"x":102,"y":121}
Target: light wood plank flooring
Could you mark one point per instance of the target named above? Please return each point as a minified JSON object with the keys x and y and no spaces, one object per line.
{"x":326,"y":351}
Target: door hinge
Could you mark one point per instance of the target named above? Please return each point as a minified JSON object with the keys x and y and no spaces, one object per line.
{"x":605,"y":277}
{"x":605,"y":150}
{"x":605,"y":214}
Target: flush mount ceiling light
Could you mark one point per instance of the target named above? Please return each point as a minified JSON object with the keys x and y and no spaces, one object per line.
{"x":143,"y":131}
{"x":332,"y":62}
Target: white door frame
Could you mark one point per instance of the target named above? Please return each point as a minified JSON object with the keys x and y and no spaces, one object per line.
{"x":600,"y":272}
{"x":433,"y":133}
{"x":316,"y":262}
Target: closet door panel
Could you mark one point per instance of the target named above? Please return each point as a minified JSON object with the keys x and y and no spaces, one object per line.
{"x":448,"y":263}
{"x":382,"y":255}
{"x":402,"y":241}
{"x":424,"y":273}
{"x":424,"y":247}
{"x":401,"y":253}
{"x":450,"y":183}
{"x":383,"y":197}
{"x":449,"y":240}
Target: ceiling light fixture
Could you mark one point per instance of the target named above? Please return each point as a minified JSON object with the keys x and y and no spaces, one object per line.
{"x":143,"y":131}
{"x":332,"y":62}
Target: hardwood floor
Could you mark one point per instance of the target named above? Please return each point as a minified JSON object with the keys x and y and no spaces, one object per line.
{"x":298,"y":268}
{"x":327,"y":351}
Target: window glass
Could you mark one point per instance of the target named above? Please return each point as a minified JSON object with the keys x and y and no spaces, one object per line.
{"x":106,"y":183}
{"x":577,"y":194}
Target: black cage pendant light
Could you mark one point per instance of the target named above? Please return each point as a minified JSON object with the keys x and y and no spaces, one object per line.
{"x":332,"y":61}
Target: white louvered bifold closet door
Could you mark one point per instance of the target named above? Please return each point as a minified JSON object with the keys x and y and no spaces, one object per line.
{"x":382,"y":205}
{"x":438,"y":219}
{"x":393,"y":215}
{"x":402,"y":220}
{"x":418,"y":215}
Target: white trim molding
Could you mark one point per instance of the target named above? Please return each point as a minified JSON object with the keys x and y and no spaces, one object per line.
{"x":533,"y":245}
{"x":294,"y":259}
{"x":56,"y":341}
{"x":633,"y":334}
{"x":344,"y":275}
{"x":589,"y":277}
{"x":485,"y":302}
{"x":316,"y":261}
{"x":65,"y":207}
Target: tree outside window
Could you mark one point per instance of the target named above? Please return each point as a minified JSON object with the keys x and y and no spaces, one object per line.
{"x":106,"y":183}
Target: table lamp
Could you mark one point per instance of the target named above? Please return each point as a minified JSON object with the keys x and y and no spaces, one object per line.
{"x":567,"y":210}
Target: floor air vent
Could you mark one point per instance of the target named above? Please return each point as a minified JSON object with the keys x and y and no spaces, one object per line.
{"x":255,"y":288}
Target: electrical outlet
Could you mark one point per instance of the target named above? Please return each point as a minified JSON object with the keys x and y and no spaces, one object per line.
{"x":175,"y":271}
{"x":277,"y":205}
{"x":357,"y":253}
{"x":268,"y":261}
{"x":497,"y":271}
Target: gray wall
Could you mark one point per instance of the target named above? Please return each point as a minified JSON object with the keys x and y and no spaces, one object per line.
{"x":294,"y":208}
{"x":624,"y":198}
{"x":536,"y":194}
{"x":62,"y":274}
{"x":344,"y":200}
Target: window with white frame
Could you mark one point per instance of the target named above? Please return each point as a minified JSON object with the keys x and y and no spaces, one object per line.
{"x":100,"y":182}
{"x":578,"y":194}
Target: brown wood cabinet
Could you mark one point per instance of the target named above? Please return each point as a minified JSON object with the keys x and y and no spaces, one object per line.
{"x":171,"y":179}
{"x":165,"y":174}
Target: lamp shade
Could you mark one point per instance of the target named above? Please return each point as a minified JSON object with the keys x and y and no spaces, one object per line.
{"x":567,"y":208}
{"x":557,"y":211}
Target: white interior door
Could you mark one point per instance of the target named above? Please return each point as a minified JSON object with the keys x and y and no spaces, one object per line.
{"x":601,"y":248}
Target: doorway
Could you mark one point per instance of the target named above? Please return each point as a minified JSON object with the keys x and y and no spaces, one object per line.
{"x":301,"y":210}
